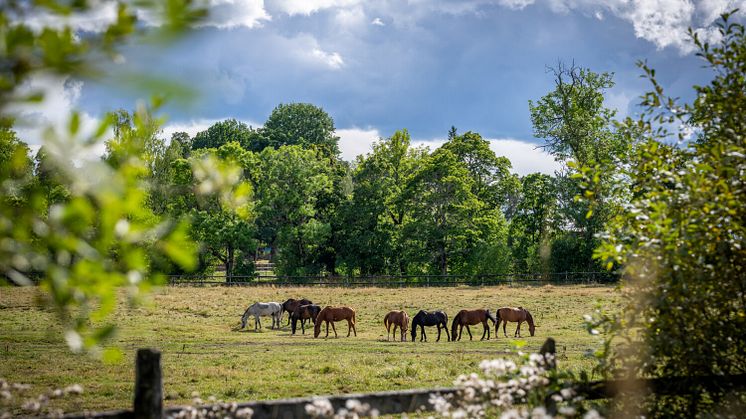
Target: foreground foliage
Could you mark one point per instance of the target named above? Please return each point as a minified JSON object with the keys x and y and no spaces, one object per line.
{"x":682,"y":237}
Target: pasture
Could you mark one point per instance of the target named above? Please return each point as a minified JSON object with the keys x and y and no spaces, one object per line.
{"x":193,"y":327}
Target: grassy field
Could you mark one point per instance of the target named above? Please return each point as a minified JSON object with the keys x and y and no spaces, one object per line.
{"x":201,"y":352}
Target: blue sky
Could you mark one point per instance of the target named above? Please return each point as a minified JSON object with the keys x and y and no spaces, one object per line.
{"x":376,"y":67}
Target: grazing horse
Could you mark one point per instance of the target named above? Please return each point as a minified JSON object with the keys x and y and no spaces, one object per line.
{"x":424,"y":318}
{"x":303,"y":313}
{"x":291,"y":304}
{"x":514,"y":314}
{"x":398,"y":319}
{"x":469,"y":318}
{"x":334,"y":314}
{"x":271,"y":309}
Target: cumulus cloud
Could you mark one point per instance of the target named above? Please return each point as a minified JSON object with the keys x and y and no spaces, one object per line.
{"x":308,"y":7}
{"x":662,"y":22}
{"x":331,"y":59}
{"x":377,"y":22}
{"x":228,"y":14}
{"x":47,"y":123}
{"x":515,"y":4}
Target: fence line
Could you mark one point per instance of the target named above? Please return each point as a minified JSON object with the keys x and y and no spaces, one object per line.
{"x":148,"y":400}
{"x":397,"y":280}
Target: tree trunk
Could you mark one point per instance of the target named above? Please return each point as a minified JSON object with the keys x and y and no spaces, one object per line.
{"x":229,"y":265}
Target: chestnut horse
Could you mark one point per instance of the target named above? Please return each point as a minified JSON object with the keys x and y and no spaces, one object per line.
{"x":434,"y":318}
{"x":303,"y":313}
{"x":291,"y":304}
{"x":469,"y":318}
{"x":334,"y":314}
{"x":514,"y":314}
{"x":398,"y":319}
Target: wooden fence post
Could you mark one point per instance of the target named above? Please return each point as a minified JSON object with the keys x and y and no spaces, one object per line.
{"x":550,"y":348}
{"x":148,"y":385}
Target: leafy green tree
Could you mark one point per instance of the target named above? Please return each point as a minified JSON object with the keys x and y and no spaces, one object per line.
{"x":372,"y":232}
{"x":682,"y":238}
{"x":440,"y":195}
{"x":493,"y":181}
{"x":531,"y":227}
{"x":224,"y":132}
{"x":579,"y":130}
{"x":300,"y":124}
{"x":290,"y":181}
{"x":52,"y":178}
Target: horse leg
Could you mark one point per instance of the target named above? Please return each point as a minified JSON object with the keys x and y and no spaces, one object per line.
{"x":469,"y":330}
{"x":354,"y":329}
{"x":445,"y":327}
{"x":460,"y":331}
{"x":303,"y":326}
{"x":518,"y":330}
{"x":423,"y":336}
{"x":327,"y":329}
{"x":486,"y":331}
{"x":505,"y":324}
{"x":335,"y":330}
{"x":438,"y":326}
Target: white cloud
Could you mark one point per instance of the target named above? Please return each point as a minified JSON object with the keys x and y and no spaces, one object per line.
{"x":308,"y":7}
{"x":526,"y":157}
{"x":228,"y":14}
{"x":515,"y":4}
{"x":331,"y":59}
{"x":377,"y":22}
{"x":355,"y":141}
{"x":95,"y":20}
{"x":662,"y":22}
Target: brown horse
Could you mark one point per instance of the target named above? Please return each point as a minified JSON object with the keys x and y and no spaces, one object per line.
{"x":514,"y":314}
{"x":334,"y":314}
{"x":303,"y":313}
{"x":291,"y":304}
{"x":469,"y":318}
{"x":398,"y":319}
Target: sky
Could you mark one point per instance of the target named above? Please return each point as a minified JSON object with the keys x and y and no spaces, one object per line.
{"x":385,"y":65}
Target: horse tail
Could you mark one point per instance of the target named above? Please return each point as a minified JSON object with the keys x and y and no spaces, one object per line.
{"x":491,"y":317}
{"x":386,"y":320}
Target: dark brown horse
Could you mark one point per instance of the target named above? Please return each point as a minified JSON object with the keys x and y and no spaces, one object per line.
{"x":291,"y":304}
{"x":303,"y":313}
{"x":514,"y":314}
{"x":398,"y":319}
{"x":334,"y":314}
{"x":434,"y":318}
{"x":469,"y":318}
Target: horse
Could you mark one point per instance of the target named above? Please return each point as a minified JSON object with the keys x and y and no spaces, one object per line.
{"x":303,"y":313}
{"x":398,"y":319}
{"x":334,"y":314}
{"x":468,"y":318}
{"x":291,"y":304}
{"x":514,"y":314}
{"x":271,"y":309}
{"x":424,"y":318}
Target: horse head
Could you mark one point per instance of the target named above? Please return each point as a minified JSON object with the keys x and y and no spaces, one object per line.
{"x":531,"y":325}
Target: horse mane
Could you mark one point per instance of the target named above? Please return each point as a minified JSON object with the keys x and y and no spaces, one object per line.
{"x":491,"y":317}
{"x":529,"y":318}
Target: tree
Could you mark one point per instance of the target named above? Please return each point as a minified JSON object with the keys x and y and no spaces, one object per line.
{"x":531,"y":227}
{"x":372,"y":234}
{"x":493,"y":182}
{"x":224,"y":132}
{"x":300,"y":124}
{"x":440,"y":195}
{"x":290,"y":181}
{"x":579,"y":130}
{"x":681,"y":240}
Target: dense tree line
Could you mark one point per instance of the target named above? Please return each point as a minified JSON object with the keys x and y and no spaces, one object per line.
{"x":396,"y":210}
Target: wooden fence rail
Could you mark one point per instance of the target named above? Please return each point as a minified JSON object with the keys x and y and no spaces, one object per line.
{"x":148,"y":400}
{"x":395,"y":280}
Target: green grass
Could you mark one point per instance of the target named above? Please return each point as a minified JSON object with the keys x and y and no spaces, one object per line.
{"x":201,"y":352}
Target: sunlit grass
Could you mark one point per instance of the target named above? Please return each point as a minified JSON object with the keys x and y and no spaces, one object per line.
{"x":201,"y":352}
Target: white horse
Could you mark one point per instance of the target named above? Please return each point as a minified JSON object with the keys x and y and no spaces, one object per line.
{"x":271,"y":309}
